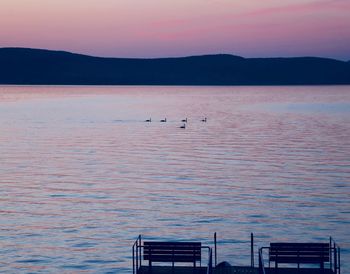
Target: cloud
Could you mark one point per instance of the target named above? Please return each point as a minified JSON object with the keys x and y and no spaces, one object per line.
{"x":313,"y":6}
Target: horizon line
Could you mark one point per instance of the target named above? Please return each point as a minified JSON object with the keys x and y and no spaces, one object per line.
{"x":174,"y":57}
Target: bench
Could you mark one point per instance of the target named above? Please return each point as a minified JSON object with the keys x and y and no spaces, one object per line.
{"x":184,"y":252}
{"x":299,"y":253}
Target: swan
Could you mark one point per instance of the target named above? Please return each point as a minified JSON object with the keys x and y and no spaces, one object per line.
{"x":204,"y":120}
{"x":149,"y":120}
{"x":183,"y":126}
{"x":163,"y":121}
{"x":184,"y":120}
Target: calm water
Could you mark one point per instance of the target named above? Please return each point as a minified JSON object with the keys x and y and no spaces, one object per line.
{"x":82,"y":175}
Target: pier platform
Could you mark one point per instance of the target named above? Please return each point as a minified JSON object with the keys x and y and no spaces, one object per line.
{"x":198,"y":270}
{"x":278,"y":258}
{"x":171,"y":270}
{"x":229,"y":270}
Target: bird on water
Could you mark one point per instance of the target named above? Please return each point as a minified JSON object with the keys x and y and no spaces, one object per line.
{"x":149,"y":120}
{"x":183,"y":126}
{"x":204,"y":120}
{"x":184,"y":120}
{"x":163,"y":121}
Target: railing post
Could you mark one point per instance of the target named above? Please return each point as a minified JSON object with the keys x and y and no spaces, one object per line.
{"x":210,"y":261}
{"x":215,"y":250}
{"x":252,"y":250}
{"x":338,"y":260}
{"x":330,"y":253}
{"x":140,"y":258}
{"x":133,"y":259}
{"x":260,"y":262}
{"x":335,"y":259}
{"x":137,"y":257}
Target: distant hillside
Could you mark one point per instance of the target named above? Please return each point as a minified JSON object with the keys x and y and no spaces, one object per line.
{"x":33,"y":66}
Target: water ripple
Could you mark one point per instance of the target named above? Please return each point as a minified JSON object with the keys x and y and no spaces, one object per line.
{"x":82,"y":175}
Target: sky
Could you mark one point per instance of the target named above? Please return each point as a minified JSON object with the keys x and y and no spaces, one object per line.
{"x":162,"y":28}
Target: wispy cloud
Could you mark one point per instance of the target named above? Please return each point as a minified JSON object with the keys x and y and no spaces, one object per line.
{"x":312,"y":6}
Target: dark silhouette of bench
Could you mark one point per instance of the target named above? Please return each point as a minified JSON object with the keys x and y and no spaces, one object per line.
{"x":173,"y":252}
{"x":299,"y":253}
{"x":324,"y":258}
{"x":188,"y":257}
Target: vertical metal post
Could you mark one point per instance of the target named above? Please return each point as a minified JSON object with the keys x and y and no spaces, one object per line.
{"x":133,"y":259}
{"x":330,"y":253}
{"x":137,"y":257}
{"x":338,"y":260}
{"x":211,"y":260}
{"x":260,"y":262}
{"x":140,"y":250}
{"x":215,"y":249}
{"x":335,"y":259}
{"x":252,"y":250}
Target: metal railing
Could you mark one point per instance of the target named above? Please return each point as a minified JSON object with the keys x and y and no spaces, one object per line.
{"x":261,"y":262}
{"x":136,"y":255}
{"x":210,"y":261}
{"x":334,"y":255}
{"x":252,"y":250}
{"x":215,"y":250}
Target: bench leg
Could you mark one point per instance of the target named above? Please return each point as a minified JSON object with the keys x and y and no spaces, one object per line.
{"x":149,"y":266}
{"x":322,"y":267}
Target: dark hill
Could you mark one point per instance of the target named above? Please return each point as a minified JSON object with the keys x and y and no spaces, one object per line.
{"x":33,"y":66}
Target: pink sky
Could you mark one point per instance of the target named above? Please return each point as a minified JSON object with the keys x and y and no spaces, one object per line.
{"x":157,"y":28}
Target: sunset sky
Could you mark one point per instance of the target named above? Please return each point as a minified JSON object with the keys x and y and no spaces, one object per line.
{"x":159,"y":28}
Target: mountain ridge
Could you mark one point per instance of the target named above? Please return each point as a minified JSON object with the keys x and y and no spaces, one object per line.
{"x":45,"y":67}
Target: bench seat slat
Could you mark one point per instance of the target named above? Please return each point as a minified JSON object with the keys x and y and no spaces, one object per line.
{"x":173,"y":243}
{"x":300,"y":260}
{"x":286,"y":248}
{"x":166,"y":258}
{"x":299,"y":244}
{"x":183,"y":248}
{"x":176,"y":252}
{"x":300,"y":253}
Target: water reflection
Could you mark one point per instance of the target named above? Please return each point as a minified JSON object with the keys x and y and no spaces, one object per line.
{"x":82,"y":174}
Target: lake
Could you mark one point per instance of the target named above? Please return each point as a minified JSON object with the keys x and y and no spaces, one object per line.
{"x":82,"y":174}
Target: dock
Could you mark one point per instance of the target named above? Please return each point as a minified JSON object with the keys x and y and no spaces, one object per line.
{"x":179,"y":257}
{"x":171,"y":270}
{"x":198,"y":270}
{"x":230,"y":270}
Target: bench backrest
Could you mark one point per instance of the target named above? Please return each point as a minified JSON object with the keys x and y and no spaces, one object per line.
{"x":172,"y":251}
{"x":310,"y":253}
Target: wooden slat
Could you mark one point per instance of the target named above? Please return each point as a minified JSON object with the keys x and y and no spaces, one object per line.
{"x":296,"y":258}
{"x":299,"y":248}
{"x":151,"y":246}
{"x":173,"y":243}
{"x":176,"y":252}
{"x":169,"y":258}
{"x":171,"y":248}
{"x":299,"y":252}
{"x":300,"y":255}
{"x":315,"y":260}
{"x":298,"y":244}
{"x":317,"y":247}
